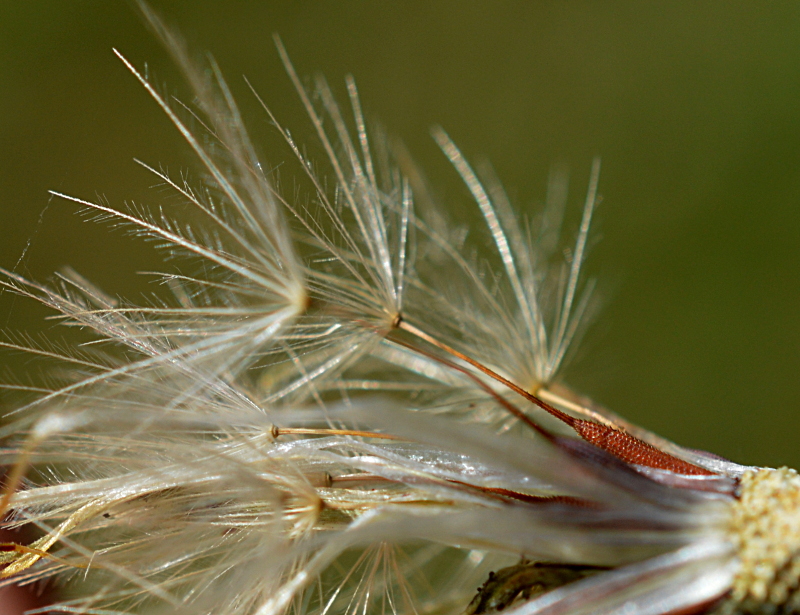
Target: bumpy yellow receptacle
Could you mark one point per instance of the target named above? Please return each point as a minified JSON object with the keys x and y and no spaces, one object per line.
{"x":765,"y":527}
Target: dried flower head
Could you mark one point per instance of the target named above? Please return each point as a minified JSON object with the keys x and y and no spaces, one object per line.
{"x":340,"y":408}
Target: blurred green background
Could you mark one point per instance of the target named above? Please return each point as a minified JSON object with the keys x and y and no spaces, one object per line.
{"x":694,"y":108}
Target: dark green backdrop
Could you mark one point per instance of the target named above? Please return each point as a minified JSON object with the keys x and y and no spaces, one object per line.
{"x":694,"y":108}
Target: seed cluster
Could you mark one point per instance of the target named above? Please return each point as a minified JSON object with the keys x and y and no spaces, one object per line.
{"x":765,"y":528}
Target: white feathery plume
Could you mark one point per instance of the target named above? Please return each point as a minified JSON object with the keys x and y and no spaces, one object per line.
{"x":320,"y":419}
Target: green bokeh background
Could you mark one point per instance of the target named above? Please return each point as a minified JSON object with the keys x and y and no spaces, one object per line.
{"x":694,"y":108}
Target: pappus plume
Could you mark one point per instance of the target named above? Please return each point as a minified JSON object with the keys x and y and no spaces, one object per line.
{"x":342,"y":409}
{"x":253,"y":284}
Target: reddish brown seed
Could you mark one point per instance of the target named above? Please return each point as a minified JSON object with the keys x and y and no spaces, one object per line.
{"x":539,"y":499}
{"x":633,"y":450}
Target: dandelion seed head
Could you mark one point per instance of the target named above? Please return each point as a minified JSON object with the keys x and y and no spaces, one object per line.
{"x":344,"y":407}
